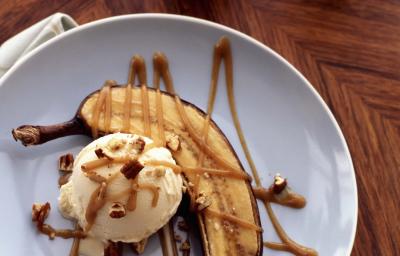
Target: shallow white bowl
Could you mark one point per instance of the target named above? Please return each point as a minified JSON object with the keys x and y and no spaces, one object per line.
{"x":288,"y":127}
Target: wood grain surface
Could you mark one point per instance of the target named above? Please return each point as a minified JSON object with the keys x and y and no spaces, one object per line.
{"x":350,"y":52}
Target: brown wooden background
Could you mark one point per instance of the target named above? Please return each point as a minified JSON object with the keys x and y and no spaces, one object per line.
{"x":349,"y":50}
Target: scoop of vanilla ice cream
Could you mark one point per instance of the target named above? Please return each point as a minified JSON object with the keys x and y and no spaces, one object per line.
{"x":145,"y":219}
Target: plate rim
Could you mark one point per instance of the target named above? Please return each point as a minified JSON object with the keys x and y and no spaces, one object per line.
{"x":184,"y":18}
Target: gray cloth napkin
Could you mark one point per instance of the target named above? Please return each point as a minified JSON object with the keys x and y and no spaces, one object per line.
{"x":19,"y":45}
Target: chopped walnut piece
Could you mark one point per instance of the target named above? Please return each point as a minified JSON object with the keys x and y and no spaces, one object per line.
{"x":279,"y":184}
{"x":117,"y":210}
{"x":66,"y":163}
{"x":131,"y":169}
{"x":206,"y":175}
{"x":101,"y":154}
{"x":138,"y":247}
{"x":40,"y":212}
{"x":202,"y":201}
{"x":185,"y":248}
{"x":173,"y":142}
{"x":139,"y":145}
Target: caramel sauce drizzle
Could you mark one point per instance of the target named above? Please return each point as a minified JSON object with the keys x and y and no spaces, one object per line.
{"x":286,"y":198}
{"x":94,"y":164}
{"x":203,"y":146}
{"x":232,"y":218}
{"x":159,"y":61}
{"x":154,"y":189}
{"x":131,"y":203}
{"x":199,"y":170}
{"x":161,"y":70}
{"x":96,"y":202}
{"x":99,"y":197}
{"x":127,"y":108}
{"x":146,"y":111}
{"x":137,"y":68}
{"x":64,"y":233}
{"x":103,"y":98}
{"x":223,"y":51}
{"x":75,"y":244}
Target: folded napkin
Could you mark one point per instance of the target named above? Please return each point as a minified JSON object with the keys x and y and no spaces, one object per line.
{"x":27,"y":40}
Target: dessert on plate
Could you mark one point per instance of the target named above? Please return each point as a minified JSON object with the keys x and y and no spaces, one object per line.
{"x":151,"y":146}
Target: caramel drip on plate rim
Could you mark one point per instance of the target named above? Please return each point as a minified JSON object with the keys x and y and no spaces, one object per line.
{"x":161,"y":70}
{"x":137,"y":68}
{"x":223,"y":50}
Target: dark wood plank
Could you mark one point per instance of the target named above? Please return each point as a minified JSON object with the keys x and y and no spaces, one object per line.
{"x":349,"y":50}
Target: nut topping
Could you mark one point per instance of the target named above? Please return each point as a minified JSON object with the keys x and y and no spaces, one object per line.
{"x":138,"y":247}
{"x":131,"y":169}
{"x":202,"y":201}
{"x":173,"y":142}
{"x":279,"y":184}
{"x":185,"y":248}
{"x":101,"y":154}
{"x":40,"y":212}
{"x":117,"y":210}
{"x":66,"y":163}
{"x":139,"y":145}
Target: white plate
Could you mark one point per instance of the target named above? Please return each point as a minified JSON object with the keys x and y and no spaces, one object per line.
{"x":288,"y":127}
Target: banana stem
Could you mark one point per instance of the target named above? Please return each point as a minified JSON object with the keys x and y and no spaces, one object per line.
{"x":35,"y":134}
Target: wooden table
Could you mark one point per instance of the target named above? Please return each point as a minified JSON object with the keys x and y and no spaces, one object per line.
{"x":350,"y":52}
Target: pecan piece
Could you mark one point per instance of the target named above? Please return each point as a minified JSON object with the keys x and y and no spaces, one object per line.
{"x":117,"y":210}
{"x":139,"y":145}
{"x":203,"y":201}
{"x":131,"y":169}
{"x":101,"y":154}
{"x":279,"y":184}
{"x":138,"y":247}
{"x":40,"y":212}
{"x":66,"y":163}
{"x":173,"y":142}
{"x":185,"y":248}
